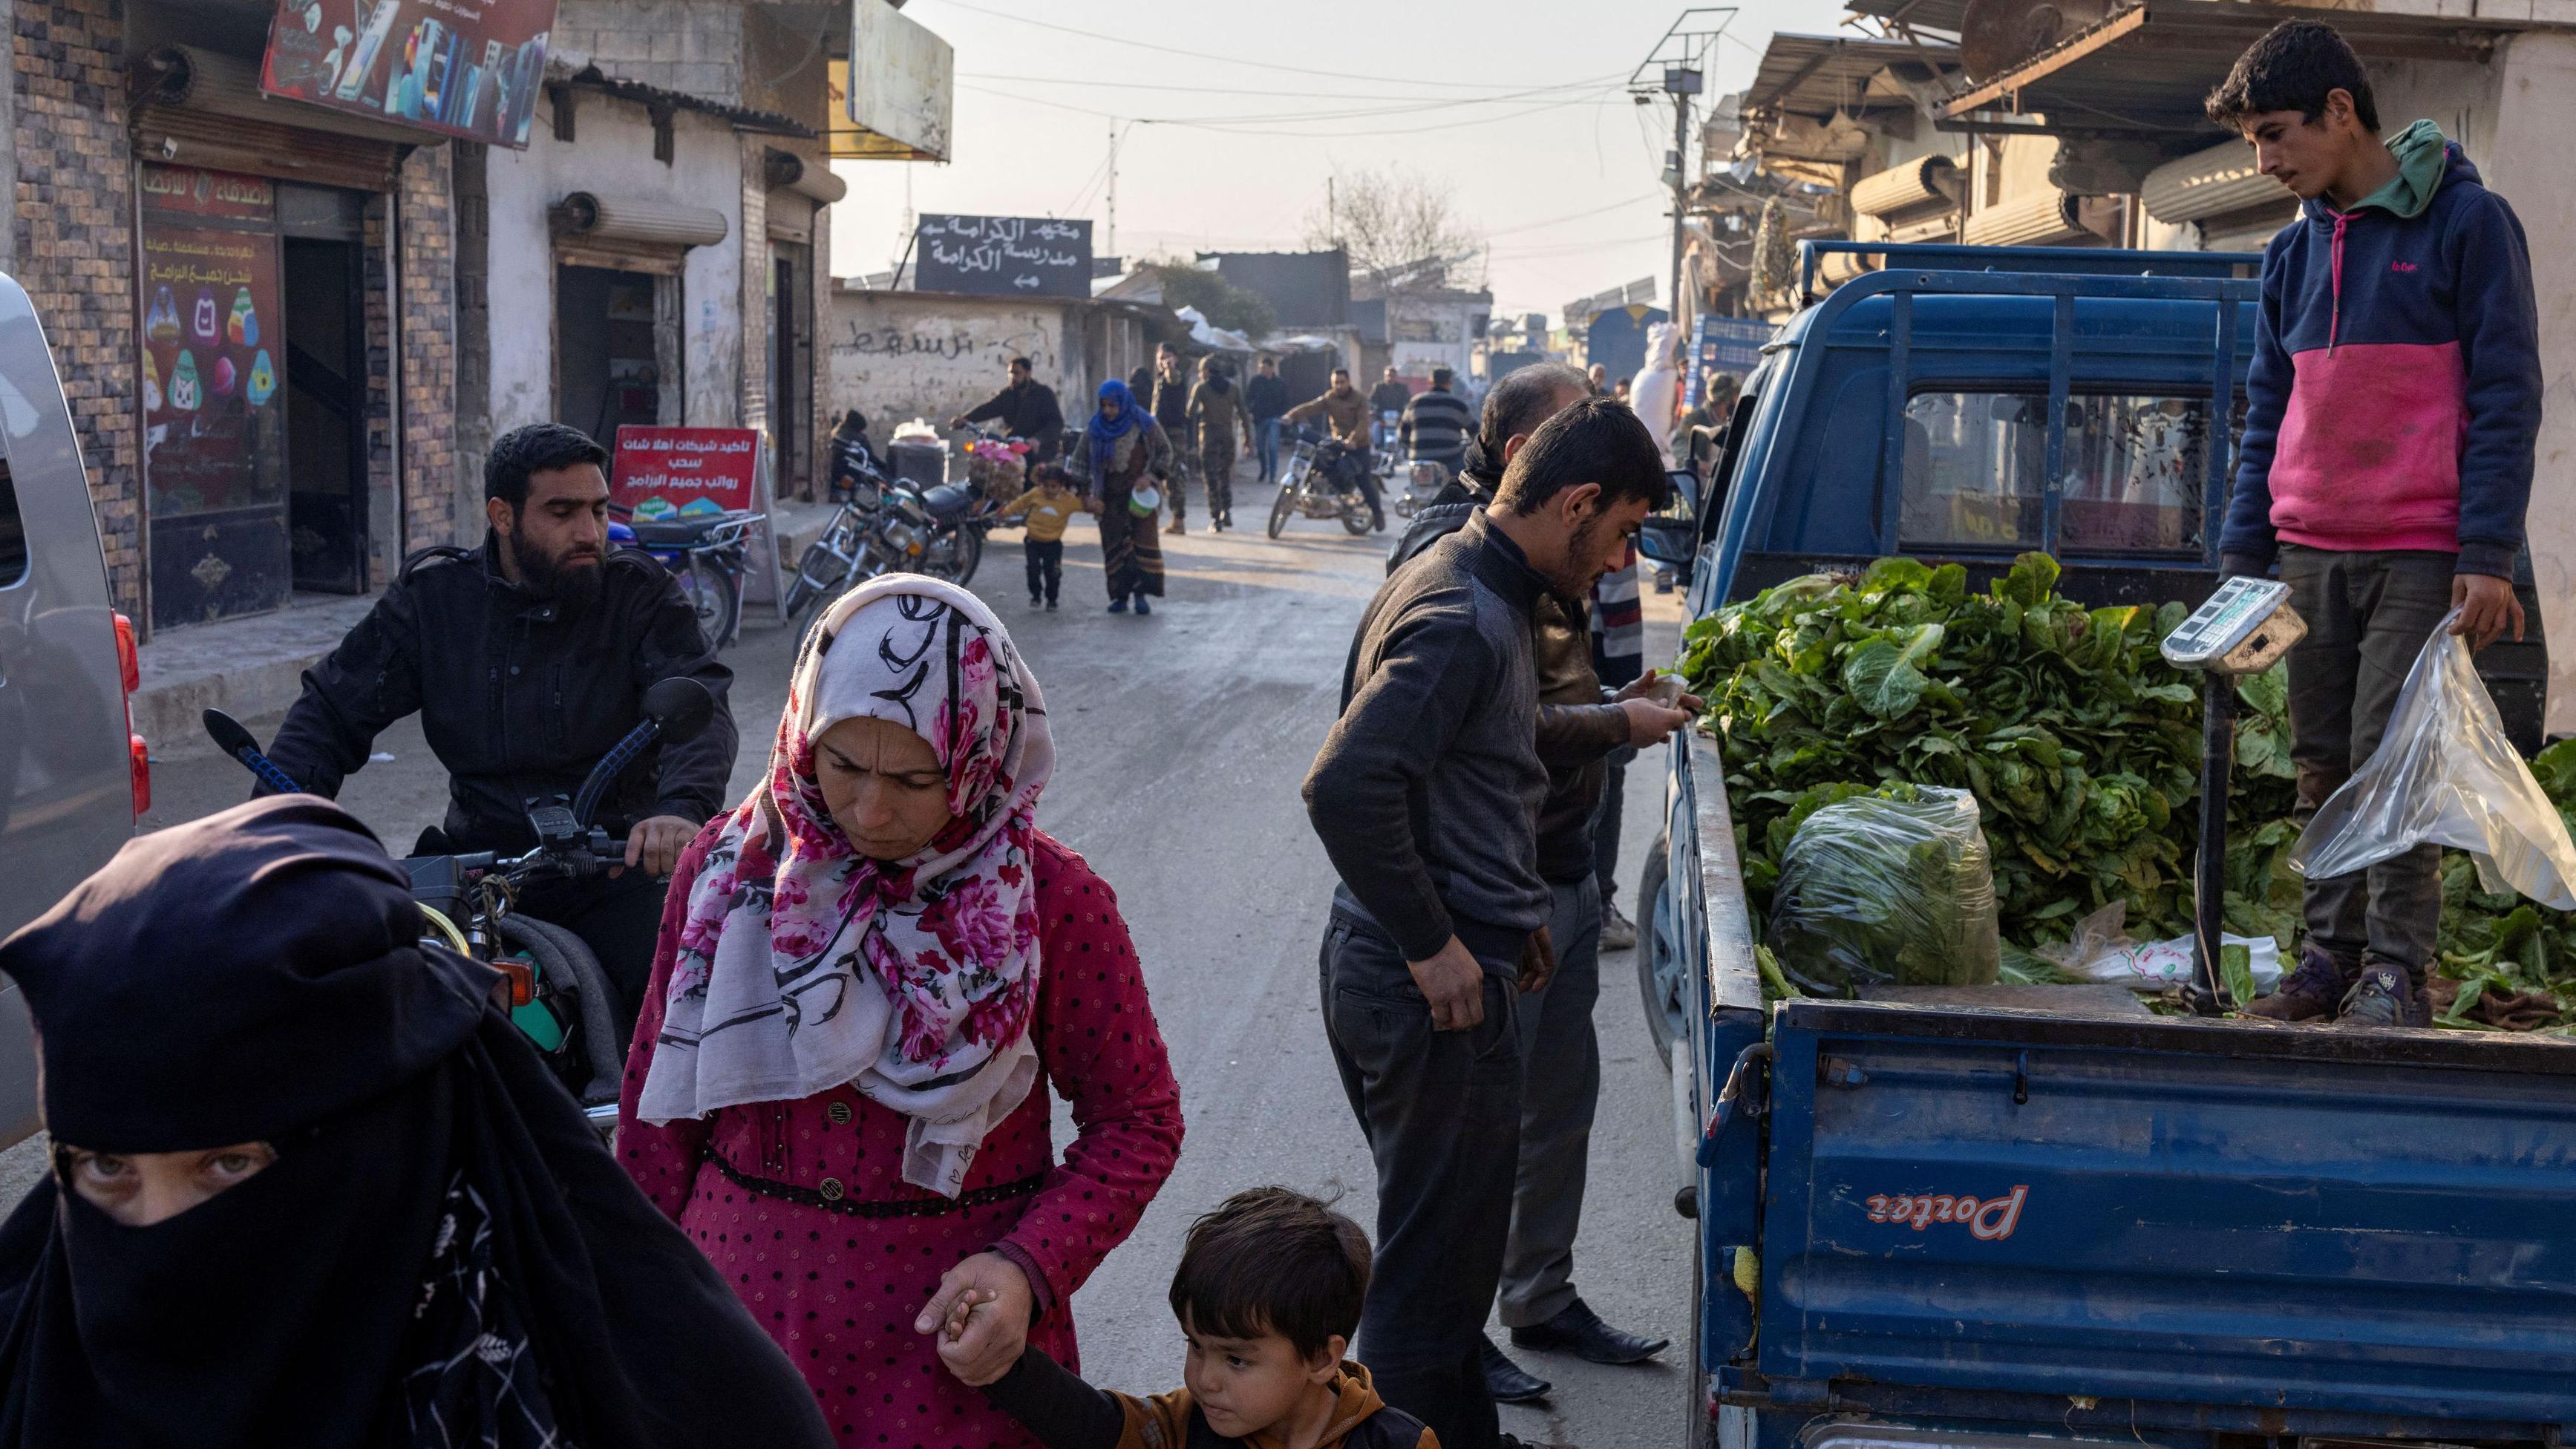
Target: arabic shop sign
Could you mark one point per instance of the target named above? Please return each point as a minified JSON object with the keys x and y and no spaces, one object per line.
{"x":469,"y":68}
{"x":1003,"y":256}
{"x":685,"y":472}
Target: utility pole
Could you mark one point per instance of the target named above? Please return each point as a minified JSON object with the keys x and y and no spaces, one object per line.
{"x":1111,"y":249}
{"x":1681,"y":58}
{"x":1681,"y":84}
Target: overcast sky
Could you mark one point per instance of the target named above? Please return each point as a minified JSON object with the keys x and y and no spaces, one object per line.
{"x":1519,"y":105}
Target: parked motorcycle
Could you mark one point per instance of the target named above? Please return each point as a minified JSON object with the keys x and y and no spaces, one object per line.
{"x":887,"y":526}
{"x":1413,"y":483}
{"x":1320,"y":479}
{"x":556,"y":993}
{"x":706,"y":554}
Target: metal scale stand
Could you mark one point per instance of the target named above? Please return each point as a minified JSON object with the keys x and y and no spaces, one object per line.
{"x":2244,"y":628}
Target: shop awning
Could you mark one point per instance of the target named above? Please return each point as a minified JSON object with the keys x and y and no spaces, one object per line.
{"x":1817,"y":75}
{"x":894,"y":99}
{"x":2147,"y":67}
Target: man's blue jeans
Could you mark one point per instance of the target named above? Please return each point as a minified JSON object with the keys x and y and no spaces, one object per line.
{"x":1265,"y":436}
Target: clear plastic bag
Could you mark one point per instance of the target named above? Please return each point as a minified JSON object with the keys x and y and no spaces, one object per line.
{"x":2445,"y":774}
{"x":1880,"y":890}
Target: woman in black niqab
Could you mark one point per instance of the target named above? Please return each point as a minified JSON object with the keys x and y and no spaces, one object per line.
{"x":441,"y":1253}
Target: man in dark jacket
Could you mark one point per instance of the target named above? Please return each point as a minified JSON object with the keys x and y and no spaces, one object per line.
{"x":1580,"y":726}
{"x":1388,"y":399}
{"x":1027,"y":408}
{"x":1265,"y":397}
{"x":1426,"y":796}
{"x":527,"y":661}
{"x":1438,"y":423}
{"x":1170,"y":406}
{"x":2391,"y":416}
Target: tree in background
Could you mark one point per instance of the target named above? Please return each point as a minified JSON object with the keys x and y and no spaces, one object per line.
{"x":1218,"y":300}
{"x":1402,"y":229}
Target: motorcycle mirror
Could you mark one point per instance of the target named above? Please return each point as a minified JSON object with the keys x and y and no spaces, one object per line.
{"x":681,"y":707}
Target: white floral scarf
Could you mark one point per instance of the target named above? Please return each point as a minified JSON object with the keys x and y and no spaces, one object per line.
{"x":804,"y":965}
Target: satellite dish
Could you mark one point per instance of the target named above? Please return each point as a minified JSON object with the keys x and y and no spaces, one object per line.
{"x":1996,"y":35}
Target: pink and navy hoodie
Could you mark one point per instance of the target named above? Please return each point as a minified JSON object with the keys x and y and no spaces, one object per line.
{"x":2395,"y":390}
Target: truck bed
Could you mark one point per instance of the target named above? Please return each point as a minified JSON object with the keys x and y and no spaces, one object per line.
{"x":2302,"y":1225}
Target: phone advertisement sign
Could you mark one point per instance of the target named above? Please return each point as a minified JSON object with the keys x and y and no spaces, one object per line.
{"x":469,"y":68}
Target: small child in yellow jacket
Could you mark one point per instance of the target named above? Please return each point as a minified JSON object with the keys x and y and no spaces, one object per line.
{"x":1047,"y":508}
{"x":1268,"y":1294}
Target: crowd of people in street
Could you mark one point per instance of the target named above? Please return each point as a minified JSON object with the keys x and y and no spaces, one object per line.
{"x":835,"y":1210}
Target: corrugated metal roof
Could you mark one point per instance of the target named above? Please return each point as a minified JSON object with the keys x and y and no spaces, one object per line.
{"x":1816,"y":75}
{"x":2149,"y":65}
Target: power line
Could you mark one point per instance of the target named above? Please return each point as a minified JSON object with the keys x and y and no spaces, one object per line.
{"x":1253,"y":125}
{"x":1577,"y":216}
{"x":1307,"y":94}
{"x":1125,"y":43}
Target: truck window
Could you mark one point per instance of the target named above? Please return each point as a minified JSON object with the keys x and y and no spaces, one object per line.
{"x":2134,"y":470}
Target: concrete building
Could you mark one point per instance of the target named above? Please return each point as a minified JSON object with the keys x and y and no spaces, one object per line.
{"x":899,"y":355}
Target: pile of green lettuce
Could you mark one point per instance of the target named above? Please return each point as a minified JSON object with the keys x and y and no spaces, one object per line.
{"x":2080,"y":743}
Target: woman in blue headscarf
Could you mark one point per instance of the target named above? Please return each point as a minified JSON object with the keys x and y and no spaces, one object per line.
{"x":1126,"y":448}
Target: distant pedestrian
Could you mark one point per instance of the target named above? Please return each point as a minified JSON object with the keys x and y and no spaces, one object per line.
{"x":1619,"y":660}
{"x":1268,"y":1294}
{"x":1600,"y":377}
{"x":1026,"y":408}
{"x":1623,"y":390}
{"x":1426,"y":796}
{"x":1170,"y":406}
{"x":1127,"y":452}
{"x":311,"y":1188}
{"x":1216,"y":413}
{"x":1438,"y":423}
{"x":1045,"y":510}
{"x":1265,"y":397}
{"x":1657,"y":391}
{"x":876,"y":974}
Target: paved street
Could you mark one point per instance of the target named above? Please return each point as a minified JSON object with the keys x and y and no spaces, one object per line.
{"x":1181,"y":740}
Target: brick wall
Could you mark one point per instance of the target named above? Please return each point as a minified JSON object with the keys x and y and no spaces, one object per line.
{"x":73,"y":238}
{"x":691,"y":46}
{"x":384,"y":480}
{"x":469,"y":179}
{"x":425,"y":280}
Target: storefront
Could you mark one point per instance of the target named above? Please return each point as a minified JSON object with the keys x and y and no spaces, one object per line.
{"x":253,"y":374}
{"x":270,"y":339}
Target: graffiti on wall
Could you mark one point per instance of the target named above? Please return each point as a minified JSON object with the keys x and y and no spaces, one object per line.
{"x":896,"y":361}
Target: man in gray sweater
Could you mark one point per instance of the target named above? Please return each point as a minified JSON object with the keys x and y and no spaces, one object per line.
{"x":1426,"y":797}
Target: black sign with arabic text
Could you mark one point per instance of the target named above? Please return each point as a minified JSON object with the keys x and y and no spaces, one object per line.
{"x":1003,"y":256}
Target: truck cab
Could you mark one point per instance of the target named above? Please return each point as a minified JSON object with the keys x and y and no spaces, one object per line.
{"x":1953,"y":1216}
{"x":73,"y":774}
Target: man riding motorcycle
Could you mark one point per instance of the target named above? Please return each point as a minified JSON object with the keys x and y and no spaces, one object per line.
{"x":527,"y":660}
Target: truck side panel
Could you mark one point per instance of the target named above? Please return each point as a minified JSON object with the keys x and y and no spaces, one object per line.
{"x":2174,"y":1211}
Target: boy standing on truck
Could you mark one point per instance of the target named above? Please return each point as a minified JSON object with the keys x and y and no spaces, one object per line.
{"x":2387,"y":460}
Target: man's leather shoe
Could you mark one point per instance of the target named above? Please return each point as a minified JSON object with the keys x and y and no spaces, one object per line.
{"x":1508,"y":1382}
{"x":1579,"y":1331}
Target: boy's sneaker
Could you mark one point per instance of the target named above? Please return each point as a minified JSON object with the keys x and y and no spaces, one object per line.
{"x":1618,"y":933}
{"x":1034,"y":601}
{"x":2317,"y":988}
{"x":2385,"y":997}
{"x":1050,"y":606}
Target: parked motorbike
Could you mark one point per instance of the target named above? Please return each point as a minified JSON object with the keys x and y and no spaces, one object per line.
{"x":887,"y":526}
{"x":552,"y":986}
{"x":1320,"y":479}
{"x":706,"y":554}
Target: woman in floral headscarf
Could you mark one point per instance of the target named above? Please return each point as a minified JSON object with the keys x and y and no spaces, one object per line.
{"x":868,"y":973}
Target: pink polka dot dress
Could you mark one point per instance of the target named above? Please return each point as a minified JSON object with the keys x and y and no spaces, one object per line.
{"x":801,"y":1205}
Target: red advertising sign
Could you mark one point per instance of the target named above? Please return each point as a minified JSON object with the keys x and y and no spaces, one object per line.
{"x":685,"y":472}
{"x":469,"y":68}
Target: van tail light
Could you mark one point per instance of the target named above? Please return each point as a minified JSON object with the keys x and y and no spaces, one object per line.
{"x":138,"y":755}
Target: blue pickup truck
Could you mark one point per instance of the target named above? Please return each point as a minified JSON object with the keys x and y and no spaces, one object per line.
{"x":2017,"y":1215}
